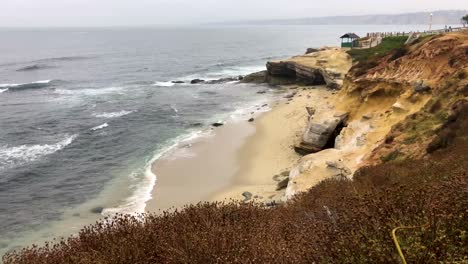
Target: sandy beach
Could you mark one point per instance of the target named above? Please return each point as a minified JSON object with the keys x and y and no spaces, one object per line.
{"x":238,"y":157}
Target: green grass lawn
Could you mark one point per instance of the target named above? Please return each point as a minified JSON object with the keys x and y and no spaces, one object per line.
{"x":388,"y":44}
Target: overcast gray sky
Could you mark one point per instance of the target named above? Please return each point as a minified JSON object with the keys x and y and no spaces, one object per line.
{"x":154,"y":12}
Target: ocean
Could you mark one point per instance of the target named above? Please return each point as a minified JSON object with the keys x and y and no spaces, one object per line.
{"x":84,"y":112}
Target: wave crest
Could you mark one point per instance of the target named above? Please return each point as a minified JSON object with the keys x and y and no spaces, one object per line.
{"x":35,"y":67}
{"x":19,"y":155}
{"x":113,"y":114}
{"x":100,"y":127}
{"x":26,"y":86}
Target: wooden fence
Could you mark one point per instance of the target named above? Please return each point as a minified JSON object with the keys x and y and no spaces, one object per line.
{"x":375,"y":38}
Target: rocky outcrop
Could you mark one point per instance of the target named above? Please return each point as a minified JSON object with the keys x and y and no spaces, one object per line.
{"x":326,"y":66}
{"x":264,"y":77}
{"x":321,"y":134}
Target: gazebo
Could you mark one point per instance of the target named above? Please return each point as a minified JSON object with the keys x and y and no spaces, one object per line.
{"x":349,"y":40}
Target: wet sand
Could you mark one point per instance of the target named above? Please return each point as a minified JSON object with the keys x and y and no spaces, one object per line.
{"x":193,"y":173}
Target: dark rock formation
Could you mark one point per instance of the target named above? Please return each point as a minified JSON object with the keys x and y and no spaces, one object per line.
{"x":251,"y":119}
{"x":311,"y":50}
{"x":282,"y":184}
{"x":178,"y":82}
{"x":196,"y":81}
{"x":264,"y":77}
{"x":223,"y":80}
{"x":97,"y":210}
{"x":256,"y":77}
{"x":217,"y":124}
{"x":304,"y":74}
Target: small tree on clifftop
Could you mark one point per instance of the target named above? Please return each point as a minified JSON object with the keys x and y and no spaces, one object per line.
{"x":464,"y":20}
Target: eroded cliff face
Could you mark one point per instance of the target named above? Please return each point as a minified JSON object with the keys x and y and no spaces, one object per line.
{"x":403,"y":105}
{"x":418,"y":91}
{"x":325,"y":66}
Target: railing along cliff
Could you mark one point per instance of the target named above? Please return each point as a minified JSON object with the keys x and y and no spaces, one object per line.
{"x":373,"y":39}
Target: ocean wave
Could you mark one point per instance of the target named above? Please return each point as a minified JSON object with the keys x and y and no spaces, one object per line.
{"x":25,"y":86}
{"x":90,"y":92}
{"x":19,"y":155}
{"x":113,"y":114}
{"x":65,"y":58}
{"x":164,"y":84}
{"x":3,"y":90}
{"x":100,"y":127}
{"x":35,"y":67}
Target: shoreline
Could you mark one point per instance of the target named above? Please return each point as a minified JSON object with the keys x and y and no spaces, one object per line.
{"x":196,"y":169}
{"x":237,"y":157}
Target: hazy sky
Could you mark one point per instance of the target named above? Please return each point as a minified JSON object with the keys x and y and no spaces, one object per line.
{"x":154,"y":12}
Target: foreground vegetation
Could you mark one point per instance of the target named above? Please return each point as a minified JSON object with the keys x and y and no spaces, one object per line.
{"x":338,"y":221}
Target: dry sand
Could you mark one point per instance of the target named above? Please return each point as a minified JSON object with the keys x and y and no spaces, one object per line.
{"x":270,"y":151}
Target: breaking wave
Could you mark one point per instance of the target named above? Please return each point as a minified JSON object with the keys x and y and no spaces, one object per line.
{"x":90,"y":92}
{"x":100,"y":127}
{"x":164,"y":84}
{"x":113,"y":114}
{"x":24,"y":86}
{"x":19,"y":155}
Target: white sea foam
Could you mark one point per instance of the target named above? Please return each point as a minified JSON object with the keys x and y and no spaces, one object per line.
{"x":113,"y":114}
{"x":3,"y":90}
{"x":91,"y":92}
{"x":18,"y":155}
{"x":173,"y":107}
{"x":164,"y":84}
{"x":100,"y":127}
{"x":226,"y":72}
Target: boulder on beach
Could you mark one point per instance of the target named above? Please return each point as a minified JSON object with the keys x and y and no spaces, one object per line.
{"x":321,"y":134}
{"x":217,"y":124}
{"x":247,"y":195}
{"x":97,"y":210}
{"x":251,"y":119}
{"x":283,"y":184}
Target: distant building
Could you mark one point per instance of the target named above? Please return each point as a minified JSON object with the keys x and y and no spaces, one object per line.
{"x":349,"y":40}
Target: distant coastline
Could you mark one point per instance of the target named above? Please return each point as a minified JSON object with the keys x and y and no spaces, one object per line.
{"x":441,"y":17}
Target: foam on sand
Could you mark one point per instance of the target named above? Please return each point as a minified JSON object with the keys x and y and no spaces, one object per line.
{"x":144,"y":180}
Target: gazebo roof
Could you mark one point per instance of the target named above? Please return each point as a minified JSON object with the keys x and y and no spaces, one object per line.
{"x":350,"y":35}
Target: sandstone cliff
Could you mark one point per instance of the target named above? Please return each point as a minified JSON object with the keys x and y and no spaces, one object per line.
{"x":405,"y":104}
{"x":326,"y":66}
